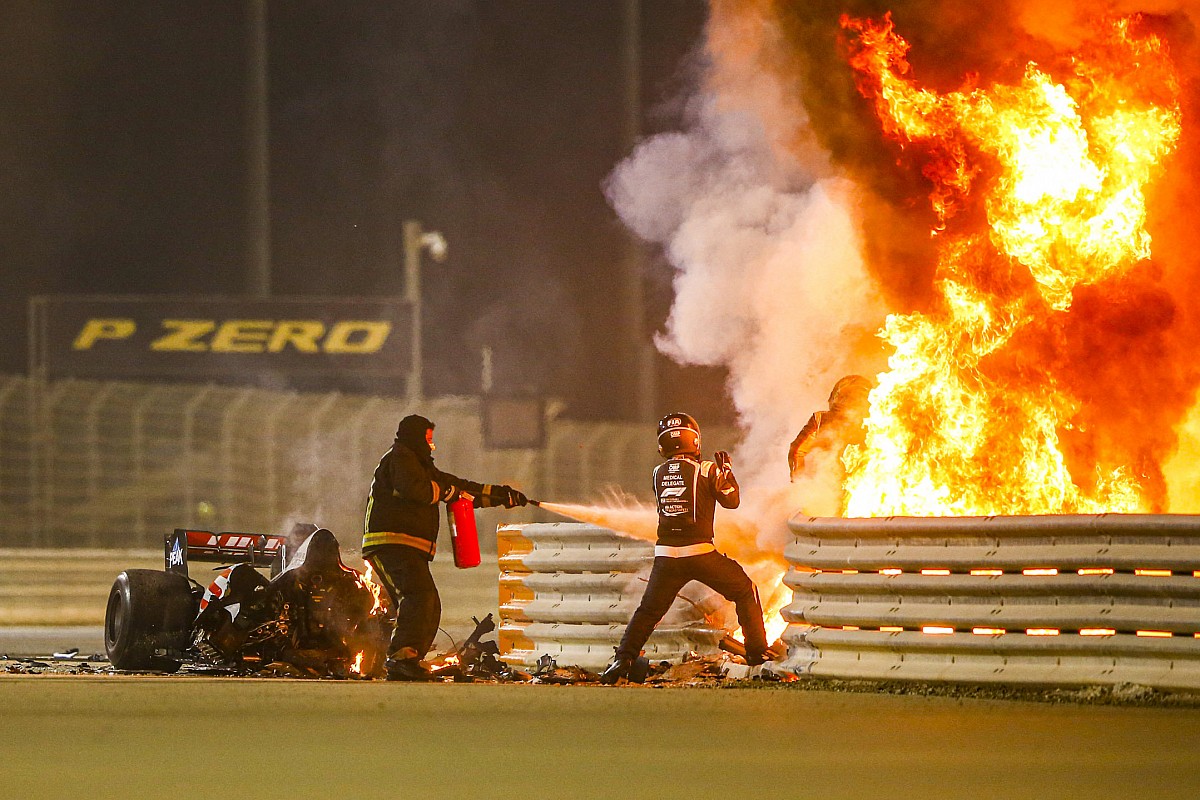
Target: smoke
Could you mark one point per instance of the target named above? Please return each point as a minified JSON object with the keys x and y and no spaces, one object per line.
{"x":770,"y":276}
{"x":770,"y":281}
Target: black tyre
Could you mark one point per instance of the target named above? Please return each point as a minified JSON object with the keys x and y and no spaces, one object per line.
{"x":148,"y":621}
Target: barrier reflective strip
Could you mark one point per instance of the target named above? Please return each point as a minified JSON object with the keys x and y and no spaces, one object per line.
{"x":1062,"y":599}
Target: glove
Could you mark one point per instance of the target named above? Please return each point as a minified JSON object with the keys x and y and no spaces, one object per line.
{"x":453,"y":493}
{"x":510,"y":497}
{"x":723,"y":460}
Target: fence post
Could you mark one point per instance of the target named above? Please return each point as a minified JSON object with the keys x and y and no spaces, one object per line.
{"x":226,"y":447}
{"x":189,"y":425}
{"x":139,"y":459}
{"x":93,"y":458}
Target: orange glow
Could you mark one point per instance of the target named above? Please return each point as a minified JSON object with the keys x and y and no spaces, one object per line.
{"x":891,"y":571}
{"x":1096,"y":571}
{"x":988,"y":631}
{"x":1155,"y":634}
{"x":987,"y":572}
{"x":1153,"y":573}
{"x":850,"y":628}
{"x":890,"y":629}
{"x":940,"y":630}
{"x":935,"y":572}
{"x":1038,"y":190}
{"x":1039,"y":571}
{"x":1042,"y":631}
{"x":1097,"y":632}
{"x":356,"y":667}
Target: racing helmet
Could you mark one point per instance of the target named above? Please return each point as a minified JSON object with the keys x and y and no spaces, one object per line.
{"x":849,"y":392}
{"x":678,"y":434}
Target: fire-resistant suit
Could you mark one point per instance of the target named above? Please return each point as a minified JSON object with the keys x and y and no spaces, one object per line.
{"x":841,"y":425}
{"x":688,"y":490}
{"x":401,"y":528}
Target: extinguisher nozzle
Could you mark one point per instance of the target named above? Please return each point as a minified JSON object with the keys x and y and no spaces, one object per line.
{"x":537,"y":503}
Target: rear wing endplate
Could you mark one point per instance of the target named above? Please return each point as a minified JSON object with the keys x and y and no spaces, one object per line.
{"x":255,"y":549}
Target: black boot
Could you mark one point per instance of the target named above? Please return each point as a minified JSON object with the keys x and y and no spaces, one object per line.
{"x":761,"y":658}
{"x":619,"y":668}
{"x":407,"y":669}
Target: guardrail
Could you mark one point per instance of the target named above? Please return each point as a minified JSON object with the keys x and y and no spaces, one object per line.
{"x":1056,"y":600}
{"x":567,"y":590}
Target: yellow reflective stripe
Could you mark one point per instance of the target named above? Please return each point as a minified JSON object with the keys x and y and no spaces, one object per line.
{"x":387,"y":579}
{"x":437,"y":493}
{"x":377,"y":538}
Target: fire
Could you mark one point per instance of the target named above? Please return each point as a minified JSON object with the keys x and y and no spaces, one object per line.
{"x":367,"y":577}
{"x":1038,"y":191}
{"x":356,"y":667}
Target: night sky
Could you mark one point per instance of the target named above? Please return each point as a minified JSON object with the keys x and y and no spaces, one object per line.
{"x":123,"y":151}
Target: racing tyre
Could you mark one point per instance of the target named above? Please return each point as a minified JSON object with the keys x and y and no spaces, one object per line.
{"x":148,"y":621}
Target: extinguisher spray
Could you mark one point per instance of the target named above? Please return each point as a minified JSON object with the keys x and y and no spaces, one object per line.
{"x":464,"y":536}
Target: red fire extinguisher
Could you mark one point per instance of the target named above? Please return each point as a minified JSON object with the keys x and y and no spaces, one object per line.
{"x":463,"y":534}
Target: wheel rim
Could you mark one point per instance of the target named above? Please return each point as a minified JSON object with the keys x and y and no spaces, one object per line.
{"x":114,"y":620}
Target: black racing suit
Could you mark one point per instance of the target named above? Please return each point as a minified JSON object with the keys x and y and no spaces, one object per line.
{"x":688,"y":492}
{"x":400,"y":533}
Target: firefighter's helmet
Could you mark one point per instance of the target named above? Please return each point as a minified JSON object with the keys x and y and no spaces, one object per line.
{"x":678,"y":434}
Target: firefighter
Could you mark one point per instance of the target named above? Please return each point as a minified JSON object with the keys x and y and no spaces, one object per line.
{"x":400,"y":538}
{"x":688,"y":490}
{"x":841,"y":425}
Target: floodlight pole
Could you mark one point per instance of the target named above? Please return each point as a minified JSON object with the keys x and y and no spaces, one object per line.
{"x":258,"y":167}
{"x":415,"y":241}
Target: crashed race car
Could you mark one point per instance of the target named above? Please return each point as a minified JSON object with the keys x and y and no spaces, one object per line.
{"x":313,"y":617}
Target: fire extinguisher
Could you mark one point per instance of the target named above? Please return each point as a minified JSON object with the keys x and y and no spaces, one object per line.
{"x":463,"y":534}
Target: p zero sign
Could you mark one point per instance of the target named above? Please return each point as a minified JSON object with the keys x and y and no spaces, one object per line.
{"x":188,"y":337}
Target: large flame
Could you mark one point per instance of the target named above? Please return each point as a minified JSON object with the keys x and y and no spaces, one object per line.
{"x":1038,"y":191}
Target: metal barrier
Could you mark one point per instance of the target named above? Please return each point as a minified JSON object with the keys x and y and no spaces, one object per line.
{"x":1055,"y":600}
{"x":567,"y":590}
{"x":115,"y":464}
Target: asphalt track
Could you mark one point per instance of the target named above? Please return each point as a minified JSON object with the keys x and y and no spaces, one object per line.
{"x":184,"y":737}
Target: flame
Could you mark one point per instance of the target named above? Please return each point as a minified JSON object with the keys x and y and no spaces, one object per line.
{"x":356,"y":667}
{"x":1038,"y":191}
{"x":367,"y":579}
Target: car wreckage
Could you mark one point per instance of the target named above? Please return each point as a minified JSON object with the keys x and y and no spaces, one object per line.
{"x":312,"y":617}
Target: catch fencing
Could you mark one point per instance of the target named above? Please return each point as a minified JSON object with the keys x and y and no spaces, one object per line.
{"x":1052,"y":600}
{"x":116,"y":464}
{"x":567,"y":590}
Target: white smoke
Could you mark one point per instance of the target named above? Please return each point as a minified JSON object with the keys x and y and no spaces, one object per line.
{"x":769,"y":277}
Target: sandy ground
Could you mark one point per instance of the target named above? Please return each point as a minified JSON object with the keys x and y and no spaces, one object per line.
{"x":124,"y":737}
